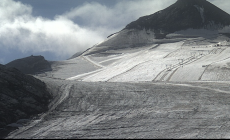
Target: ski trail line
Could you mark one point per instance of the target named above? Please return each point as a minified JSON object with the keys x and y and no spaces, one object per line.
{"x":207,"y":88}
{"x":93,"y":62}
{"x":65,"y":91}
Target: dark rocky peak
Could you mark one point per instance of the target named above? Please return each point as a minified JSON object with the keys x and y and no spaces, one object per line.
{"x":182,"y":15}
{"x":31,"y":64}
{"x":1,"y":66}
{"x":190,"y":2}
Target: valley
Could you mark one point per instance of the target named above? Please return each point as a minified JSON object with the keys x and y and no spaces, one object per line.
{"x":165,"y":75}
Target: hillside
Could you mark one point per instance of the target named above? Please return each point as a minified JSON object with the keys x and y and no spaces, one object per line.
{"x":30,"y":65}
{"x":21,"y":97}
{"x":153,"y":29}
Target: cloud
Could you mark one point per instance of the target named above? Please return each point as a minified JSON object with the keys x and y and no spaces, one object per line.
{"x":11,"y":10}
{"x":223,"y":4}
{"x":20,"y":30}
{"x":125,"y":11}
{"x":73,"y":31}
{"x":2,"y":61}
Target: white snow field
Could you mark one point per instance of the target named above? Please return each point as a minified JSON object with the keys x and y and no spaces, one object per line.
{"x":187,"y":60}
{"x":68,"y":68}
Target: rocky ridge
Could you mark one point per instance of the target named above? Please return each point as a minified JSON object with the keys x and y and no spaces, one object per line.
{"x":31,"y":64}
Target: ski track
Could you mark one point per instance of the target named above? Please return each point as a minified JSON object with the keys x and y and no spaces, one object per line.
{"x":127,"y":70}
{"x":119,"y":57}
{"x":78,"y":77}
{"x":207,"y":88}
{"x":129,"y":56}
{"x":190,"y":61}
{"x":93,"y":62}
{"x":65,"y":94}
{"x":44,"y":131}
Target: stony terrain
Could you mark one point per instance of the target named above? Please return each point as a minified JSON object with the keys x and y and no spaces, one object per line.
{"x":134,"y":110}
{"x":21,"y":97}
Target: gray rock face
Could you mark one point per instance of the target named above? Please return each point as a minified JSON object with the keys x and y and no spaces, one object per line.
{"x":21,"y":96}
{"x":31,"y":65}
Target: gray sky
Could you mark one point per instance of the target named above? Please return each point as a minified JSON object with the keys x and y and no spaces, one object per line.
{"x":57,"y":29}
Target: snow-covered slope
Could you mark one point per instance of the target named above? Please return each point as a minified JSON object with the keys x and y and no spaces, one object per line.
{"x":136,"y":111}
{"x":188,"y":41}
{"x":185,"y":46}
{"x":181,"y":16}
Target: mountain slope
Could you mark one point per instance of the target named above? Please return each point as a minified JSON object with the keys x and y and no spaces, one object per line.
{"x":21,"y":96}
{"x":31,"y":64}
{"x":132,"y":111}
{"x":182,"y":15}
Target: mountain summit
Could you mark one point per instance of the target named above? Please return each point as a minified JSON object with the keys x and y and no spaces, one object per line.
{"x":180,"y":16}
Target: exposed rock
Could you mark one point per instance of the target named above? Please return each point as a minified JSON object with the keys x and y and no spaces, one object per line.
{"x":31,"y":65}
{"x":21,"y":96}
{"x":182,"y":15}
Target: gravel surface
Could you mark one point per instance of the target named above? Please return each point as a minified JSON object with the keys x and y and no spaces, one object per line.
{"x":133,"y":110}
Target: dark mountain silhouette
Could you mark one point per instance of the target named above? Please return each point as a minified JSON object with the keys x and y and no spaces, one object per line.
{"x":31,"y":64}
{"x":21,"y":96}
{"x":182,"y":15}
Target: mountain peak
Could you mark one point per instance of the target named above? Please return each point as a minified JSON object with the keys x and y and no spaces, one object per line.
{"x":190,"y":1}
{"x":182,"y":15}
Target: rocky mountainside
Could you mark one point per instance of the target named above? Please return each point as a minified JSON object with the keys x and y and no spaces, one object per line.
{"x":31,"y":64}
{"x":182,"y":15}
{"x":21,"y":96}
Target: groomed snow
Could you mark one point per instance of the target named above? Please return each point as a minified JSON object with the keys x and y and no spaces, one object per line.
{"x":160,"y":61}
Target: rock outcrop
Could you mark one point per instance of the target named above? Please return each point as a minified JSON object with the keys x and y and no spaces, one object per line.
{"x":31,"y":65}
{"x":21,"y":97}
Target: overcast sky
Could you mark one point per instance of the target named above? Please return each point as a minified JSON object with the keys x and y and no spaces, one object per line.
{"x":57,"y":29}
